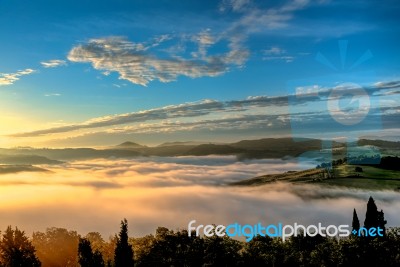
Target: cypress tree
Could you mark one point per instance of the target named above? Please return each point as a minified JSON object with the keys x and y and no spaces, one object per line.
{"x":356,"y":223}
{"x":123,"y":256}
{"x":85,"y":253}
{"x":371,"y":216}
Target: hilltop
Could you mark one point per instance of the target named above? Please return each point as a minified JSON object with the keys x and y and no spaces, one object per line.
{"x":129,"y":144}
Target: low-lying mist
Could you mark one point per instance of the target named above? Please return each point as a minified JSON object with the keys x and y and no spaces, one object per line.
{"x":150,"y":192}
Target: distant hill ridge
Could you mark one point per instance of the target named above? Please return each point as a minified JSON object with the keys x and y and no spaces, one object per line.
{"x":379,"y":143}
{"x":259,"y":148}
{"x":244,"y":149}
{"x":183,"y":143}
{"x":129,"y":144}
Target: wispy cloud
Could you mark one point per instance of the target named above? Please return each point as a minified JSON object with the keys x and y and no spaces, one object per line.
{"x":234,"y":5}
{"x":204,"y":39}
{"x":168,"y":112}
{"x":287,"y":59}
{"x":11,"y":78}
{"x":53,"y":63}
{"x":234,"y":122}
{"x":274,"y":50}
{"x":280,"y":54}
{"x":135,"y":63}
{"x":52,"y":94}
{"x":282,"y":18}
{"x":256,"y":19}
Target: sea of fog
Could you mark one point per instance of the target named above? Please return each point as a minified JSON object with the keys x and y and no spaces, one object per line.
{"x":94,"y":195}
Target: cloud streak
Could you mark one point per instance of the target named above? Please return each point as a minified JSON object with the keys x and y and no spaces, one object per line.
{"x":11,"y":78}
{"x":277,"y":53}
{"x":168,"y":112}
{"x":254,"y":111}
{"x":54,"y":63}
{"x":52,"y":94}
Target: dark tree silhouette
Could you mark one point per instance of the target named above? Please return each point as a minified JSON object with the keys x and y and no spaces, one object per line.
{"x":17,"y":250}
{"x":123,"y":256}
{"x":381,"y":221}
{"x":356,"y":223}
{"x":169,"y":248}
{"x":98,"y":260}
{"x":264,"y":251}
{"x":221,"y":251}
{"x":300,"y":248}
{"x":371,"y":216}
{"x":86,"y":257}
{"x":358,"y":169}
{"x":85,"y":254}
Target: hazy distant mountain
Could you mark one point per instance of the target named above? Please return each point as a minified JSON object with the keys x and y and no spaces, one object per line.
{"x":379,"y":143}
{"x":129,"y":144}
{"x":73,"y":153}
{"x":286,"y":143}
{"x":4,"y":169}
{"x":184,"y":143}
{"x":26,"y":159}
{"x":245,"y":149}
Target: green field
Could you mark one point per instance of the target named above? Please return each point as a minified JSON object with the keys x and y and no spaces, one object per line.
{"x":368,"y":172}
{"x":369,"y":178}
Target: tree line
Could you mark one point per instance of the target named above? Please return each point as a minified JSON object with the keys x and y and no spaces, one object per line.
{"x":60,"y":247}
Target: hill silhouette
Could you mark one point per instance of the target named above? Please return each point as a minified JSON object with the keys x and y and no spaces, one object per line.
{"x":181,"y":143}
{"x":129,"y":144}
{"x":4,"y":169}
{"x":26,"y":159}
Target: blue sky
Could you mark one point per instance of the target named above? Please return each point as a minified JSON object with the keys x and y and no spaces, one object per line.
{"x":67,"y":65}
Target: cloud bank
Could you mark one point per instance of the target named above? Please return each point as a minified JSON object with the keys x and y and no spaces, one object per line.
{"x":150,"y":192}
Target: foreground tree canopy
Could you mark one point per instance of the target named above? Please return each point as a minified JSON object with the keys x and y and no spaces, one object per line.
{"x":60,"y":247}
{"x":16,"y":249}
